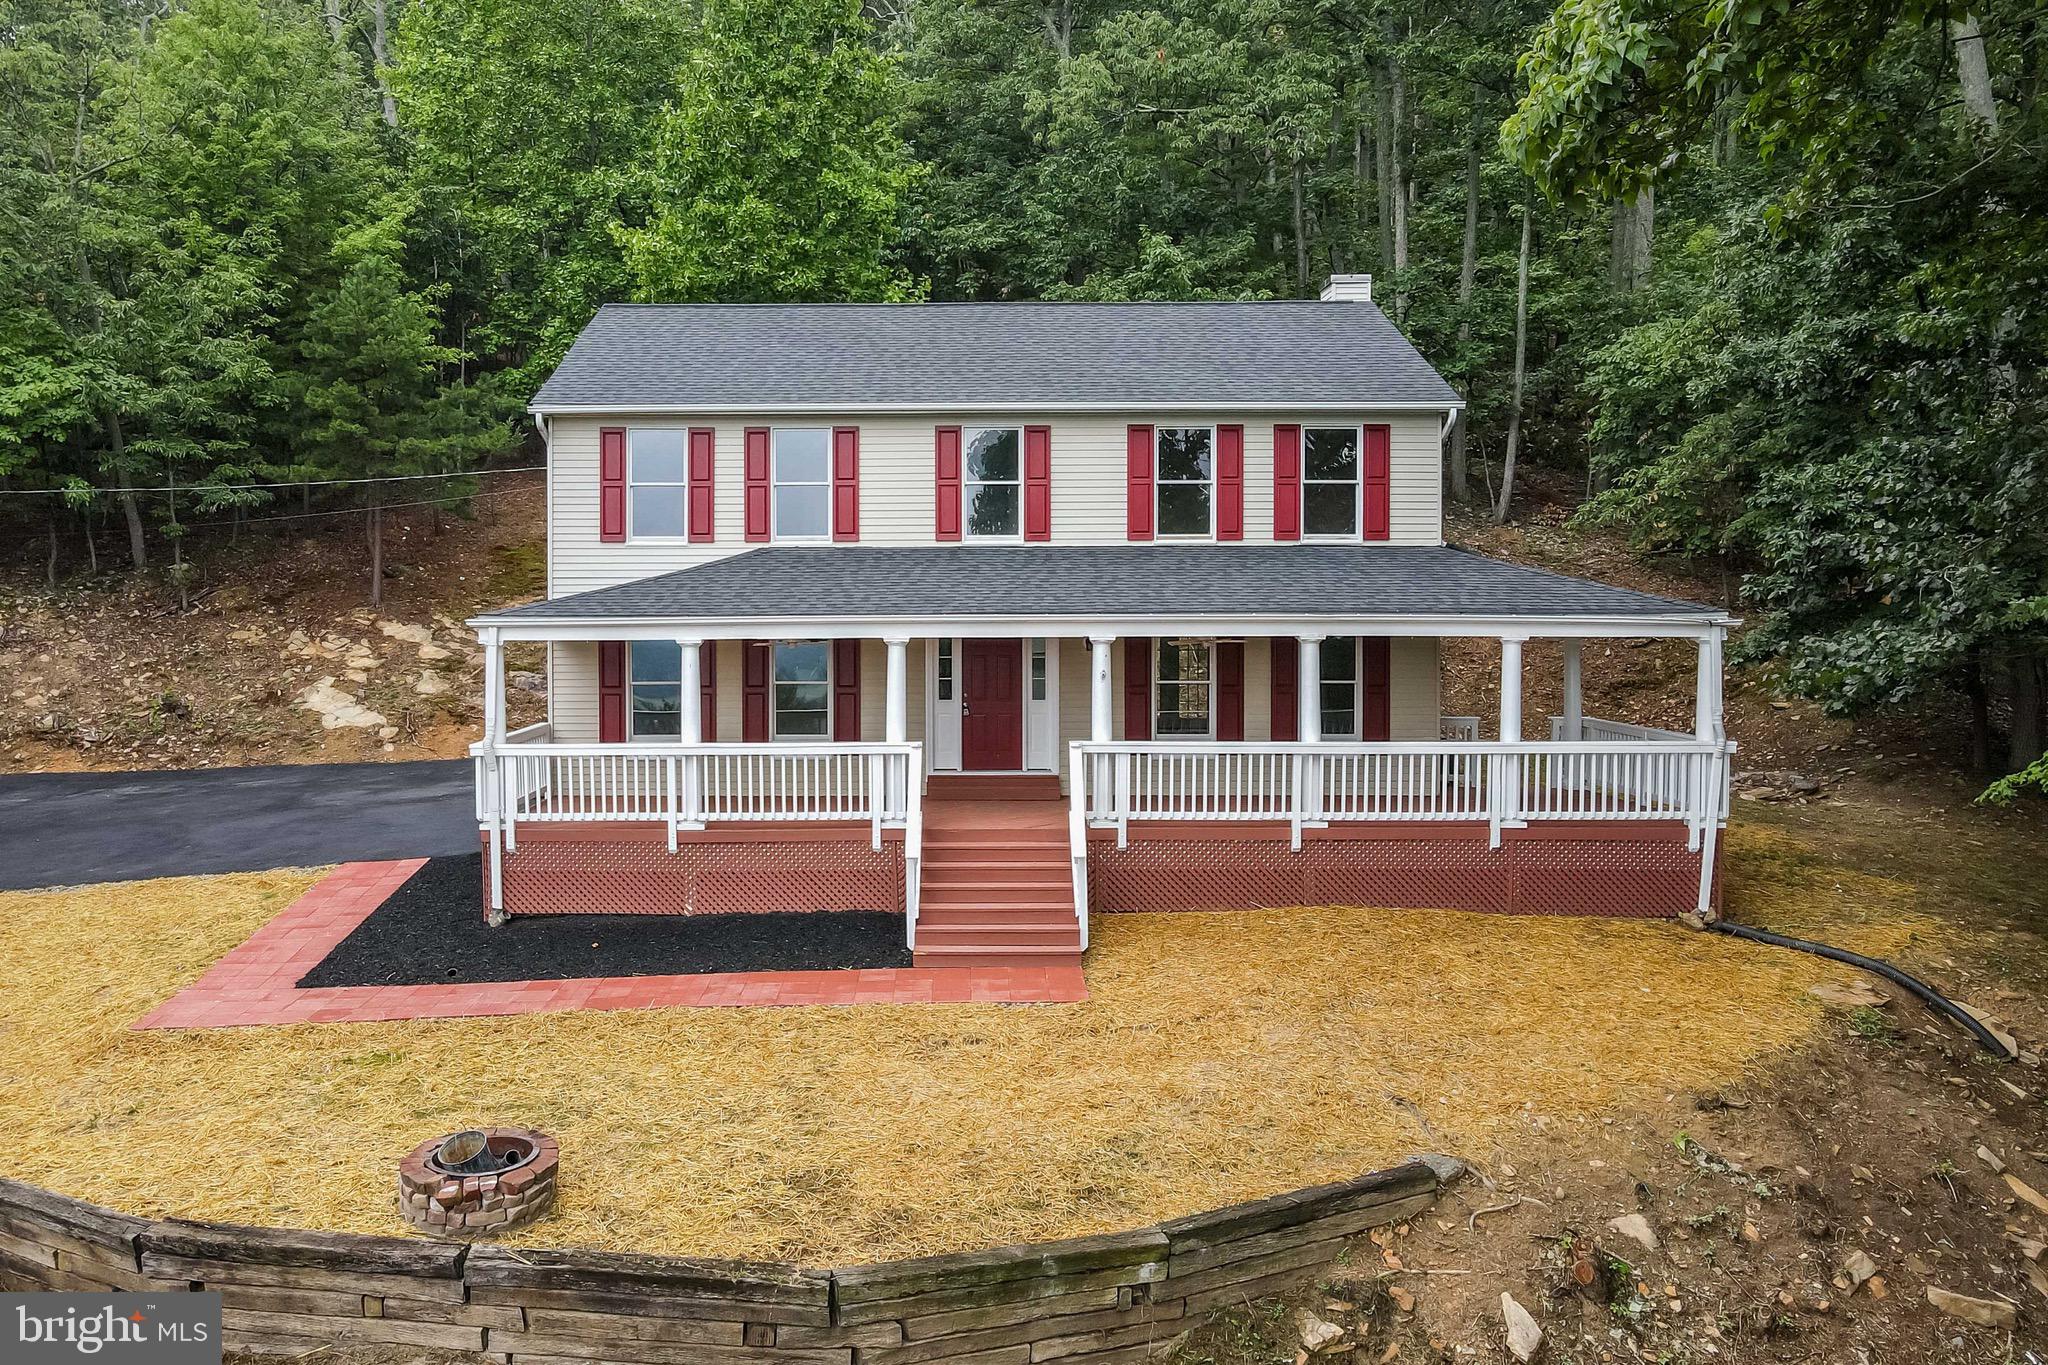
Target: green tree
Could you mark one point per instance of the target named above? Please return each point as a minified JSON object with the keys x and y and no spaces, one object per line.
{"x":527,"y":126}
{"x":779,"y":172}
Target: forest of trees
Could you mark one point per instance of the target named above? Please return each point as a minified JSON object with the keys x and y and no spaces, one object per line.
{"x":1764,"y":281}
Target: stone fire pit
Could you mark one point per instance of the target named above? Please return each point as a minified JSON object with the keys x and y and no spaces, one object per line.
{"x":477,"y":1181}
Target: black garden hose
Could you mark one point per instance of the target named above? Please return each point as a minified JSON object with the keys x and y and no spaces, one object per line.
{"x":1926,"y":994}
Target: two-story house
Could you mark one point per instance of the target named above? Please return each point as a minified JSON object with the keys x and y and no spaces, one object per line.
{"x":991,"y":613}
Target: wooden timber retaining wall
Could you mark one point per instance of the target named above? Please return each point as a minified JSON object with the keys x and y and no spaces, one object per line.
{"x":1090,"y":1301}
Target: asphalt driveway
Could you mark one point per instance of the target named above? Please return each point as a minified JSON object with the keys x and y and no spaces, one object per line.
{"x":61,"y":829}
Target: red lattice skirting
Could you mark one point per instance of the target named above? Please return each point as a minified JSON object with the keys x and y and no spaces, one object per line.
{"x":1637,"y":870}
{"x":624,"y":869}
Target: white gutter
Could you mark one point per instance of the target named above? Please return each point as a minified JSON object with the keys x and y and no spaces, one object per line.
{"x":784,"y":409}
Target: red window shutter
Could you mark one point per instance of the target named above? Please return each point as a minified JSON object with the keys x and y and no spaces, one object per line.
{"x":1377,"y":471}
{"x":1138,"y":686}
{"x":846,"y":483}
{"x":1286,"y":688}
{"x":846,"y":691}
{"x":701,"y":502}
{"x":1375,"y":711}
{"x":1287,"y":482}
{"x":1230,"y":483}
{"x":611,"y":692}
{"x":611,"y":480}
{"x":1230,"y":689}
{"x":707,"y":662}
{"x":1138,"y":496}
{"x":1038,"y":483}
{"x":754,"y":668}
{"x":946,"y":479}
{"x":755,"y":459}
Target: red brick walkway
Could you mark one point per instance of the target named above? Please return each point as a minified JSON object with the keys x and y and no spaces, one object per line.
{"x":253,"y":983}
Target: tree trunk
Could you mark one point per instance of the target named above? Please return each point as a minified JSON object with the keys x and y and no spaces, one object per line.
{"x":1979,"y":698}
{"x":2026,"y":742}
{"x":50,"y":566}
{"x":376,"y":556}
{"x":1300,"y":233}
{"x":1973,"y":72}
{"x":380,"y":53}
{"x":1382,"y":155}
{"x":1399,"y":101}
{"x":331,"y":12}
{"x":1630,"y":239}
{"x":1468,"y":274}
{"x":1507,"y":464}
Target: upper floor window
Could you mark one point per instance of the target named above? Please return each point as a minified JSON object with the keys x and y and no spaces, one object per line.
{"x":1338,"y":663}
{"x":989,"y":487}
{"x":802,"y":479}
{"x":1185,"y":474}
{"x":1330,"y":482}
{"x":657,"y":479}
{"x":1182,"y":682}
{"x":654,"y":682}
{"x":803,"y":689}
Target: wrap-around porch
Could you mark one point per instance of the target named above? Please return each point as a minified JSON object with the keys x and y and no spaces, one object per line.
{"x":1176,"y":760}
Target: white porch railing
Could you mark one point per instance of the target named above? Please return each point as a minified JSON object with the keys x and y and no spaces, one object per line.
{"x":529,"y":779}
{"x":1505,"y":785}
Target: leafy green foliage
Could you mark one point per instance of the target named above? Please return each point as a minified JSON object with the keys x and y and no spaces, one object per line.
{"x":778,"y":170}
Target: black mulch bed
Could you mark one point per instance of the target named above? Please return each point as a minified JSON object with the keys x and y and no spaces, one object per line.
{"x":432,"y":930}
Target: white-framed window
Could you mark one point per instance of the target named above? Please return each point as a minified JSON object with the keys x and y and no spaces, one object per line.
{"x":945,"y":668}
{"x":657,"y":483}
{"x":1332,"y":459}
{"x":1184,"y":482}
{"x":801,"y":472}
{"x":654,"y":690}
{"x":1338,"y":667}
{"x":802,"y":683}
{"x":1183,"y":687}
{"x":1038,"y":668}
{"x":991,"y":484}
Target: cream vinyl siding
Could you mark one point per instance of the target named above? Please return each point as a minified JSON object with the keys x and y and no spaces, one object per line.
{"x":573,"y":698}
{"x":897,"y":492}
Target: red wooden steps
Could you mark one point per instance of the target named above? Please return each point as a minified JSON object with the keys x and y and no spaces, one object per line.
{"x":996,"y":885}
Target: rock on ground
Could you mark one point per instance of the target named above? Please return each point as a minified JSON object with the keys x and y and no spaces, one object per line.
{"x":1524,"y":1336}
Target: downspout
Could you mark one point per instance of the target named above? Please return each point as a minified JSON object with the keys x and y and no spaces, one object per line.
{"x":1443,"y":455}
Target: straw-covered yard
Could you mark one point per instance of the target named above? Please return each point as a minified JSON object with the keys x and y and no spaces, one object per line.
{"x":1222,"y":1057}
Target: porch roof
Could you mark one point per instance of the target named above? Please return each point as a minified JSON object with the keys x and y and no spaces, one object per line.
{"x":1131,"y":584}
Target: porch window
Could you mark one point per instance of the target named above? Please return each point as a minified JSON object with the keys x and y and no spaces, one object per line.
{"x":1038,"y":669}
{"x":657,"y":491}
{"x":1339,"y":661}
{"x":1181,"y":685}
{"x":989,"y":484}
{"x":803,"y":689}
{"x":654,"y":680}
{"x":803,"y":483}
{"x":1329,"y":482}
{"x":946,"y":669}
{"x":1185,"y":475}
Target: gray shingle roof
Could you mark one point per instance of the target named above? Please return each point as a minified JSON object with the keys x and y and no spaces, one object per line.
{"x":1102,"y":581}
{"x":992,"y":355}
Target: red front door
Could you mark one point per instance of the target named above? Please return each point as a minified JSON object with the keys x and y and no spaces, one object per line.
{"x":992,"y":705}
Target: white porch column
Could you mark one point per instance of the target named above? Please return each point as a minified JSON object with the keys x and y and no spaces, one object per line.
{"x":1706,"y":714}
{"x":896,"y":720}
{"x":494,"y":687}
{"x":1309,"y":689}
{"x":1101,"y":697}
{"x":494,"y":787}
{"x":1511,"y":689}
{"x":693,"y":691}
{"x":1574,"y":693}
